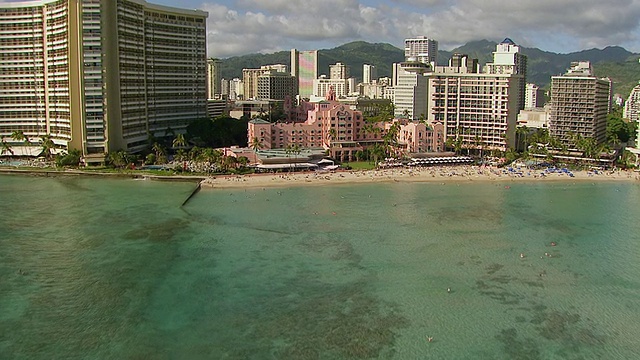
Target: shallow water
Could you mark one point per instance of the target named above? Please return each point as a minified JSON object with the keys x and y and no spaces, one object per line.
{"x":103,"y":268}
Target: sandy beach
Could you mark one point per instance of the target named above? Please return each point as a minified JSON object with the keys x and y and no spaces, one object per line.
{"x":442,"y":175}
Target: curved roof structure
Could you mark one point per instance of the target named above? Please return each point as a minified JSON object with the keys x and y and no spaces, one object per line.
{"x":508,"y":41}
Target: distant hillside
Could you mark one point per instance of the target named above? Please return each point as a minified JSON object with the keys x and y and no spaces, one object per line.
{"x":358,"y":53}
{"x":615,"y":62}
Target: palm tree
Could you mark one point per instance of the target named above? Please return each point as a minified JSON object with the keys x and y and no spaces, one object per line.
{"x":243,"y":161}
{"x":296,"y":150}
{"x":391,"y":138}
{"x":523,"y":133}
{"x":6,"y":149}
{"x":194,"y":153}
{"x":18,"y":135}
{"x":255,"y":144}
{"x":377,"y":152}
{"x":332,"y":134}
{"x":179,"y":141}
{"x":181,"y":155}
{"x":118,"y":159}
{"x":47,"y":146}
{"x":160,"y":153}
{"x":478,"y":143}
{"x":228,"y":162}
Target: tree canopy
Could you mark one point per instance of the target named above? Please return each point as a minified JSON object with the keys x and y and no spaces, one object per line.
{"x":220,"y":132}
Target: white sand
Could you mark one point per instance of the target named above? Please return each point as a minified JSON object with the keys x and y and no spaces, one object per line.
{"x":425,"y":174}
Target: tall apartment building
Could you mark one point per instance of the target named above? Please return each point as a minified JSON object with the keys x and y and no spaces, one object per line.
{"x":507,"y":59}
{"x":421,"y":49}
{"x":250,"y":78}
{"x":304,"y":66}
{"x":338,"y":71}
{"x":236,"y":89}
{"x":533,"y":96}
{"x":100,"y":75}
{"x":481,"y":109}
{"x":277,"y":86}
{"x":632,"y":106}
{"x":410,"y":91}
{"x":580,"y":103}
{"x":369,"y":73}
{"x":322,"y":86}
{"x":214,"y":78}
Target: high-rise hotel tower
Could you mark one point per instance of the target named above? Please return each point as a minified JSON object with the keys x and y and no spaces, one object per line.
{"x":100,"y":75}
{"x":304,"y":66}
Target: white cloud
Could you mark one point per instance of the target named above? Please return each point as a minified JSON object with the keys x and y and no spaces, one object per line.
{"x":567,"y":25}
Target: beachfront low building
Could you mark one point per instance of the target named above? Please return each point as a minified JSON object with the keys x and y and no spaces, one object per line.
{"x":534,"y":118}
{"x":342,"y":130}
{"x":330,"y":124}
{"x":418,"y":137}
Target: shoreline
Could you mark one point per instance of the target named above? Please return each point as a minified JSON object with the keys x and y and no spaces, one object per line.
{"x":442,"y":174}
{"x":45,"y":172}
{"x":445,"y":174}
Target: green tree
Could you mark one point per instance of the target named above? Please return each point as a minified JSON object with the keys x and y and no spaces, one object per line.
{"x":377,"y":152}
{"x":619,"y":130}
{"x":160,"y":153}
{"x":381,"y":112}
{"x":390,"y":139}
{"x":181,"y":155}
{"x":243,"y":161}
{"x":256,"y":144}
{"x":227,"y":163}
{"x":522,"y":133}
{"x":332,"y":134}
{"x":179,"y":141}
{"x":20,"y":136}
{"x":118,"y":159}
{"x":6,"y":149}
{"x":47,"y":146}
{"x":70,"y":159}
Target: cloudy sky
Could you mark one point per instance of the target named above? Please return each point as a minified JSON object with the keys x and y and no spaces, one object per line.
{"x":238,"y":27}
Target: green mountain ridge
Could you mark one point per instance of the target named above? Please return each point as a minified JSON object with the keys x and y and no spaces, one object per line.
{"x":615,"y":62}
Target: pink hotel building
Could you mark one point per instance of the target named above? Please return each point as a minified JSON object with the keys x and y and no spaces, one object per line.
{"x":340,"y":129}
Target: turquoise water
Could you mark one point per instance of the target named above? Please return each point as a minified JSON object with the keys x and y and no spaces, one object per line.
{"x":116,"y":269}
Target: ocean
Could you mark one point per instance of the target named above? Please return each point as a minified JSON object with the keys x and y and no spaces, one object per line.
{"x":101,"y":268}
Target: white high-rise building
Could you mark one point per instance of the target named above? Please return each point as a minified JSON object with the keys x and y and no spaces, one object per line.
{"x":100,"y":75}
{"x":410,"y":91}
{"x":236,"y":89}
{"x":479,"y":109}
{"x":369,"y":73}
{"x":322,"y":85}
{"x":338,"y":71}
{"x":250,"y":78}
{"x":632,"y":106}
{"x":533,"y":96}
{"x":422,"y":49}
{"x":507,"y":59}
